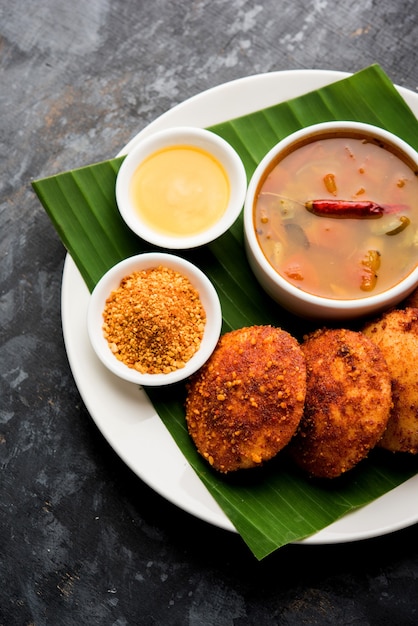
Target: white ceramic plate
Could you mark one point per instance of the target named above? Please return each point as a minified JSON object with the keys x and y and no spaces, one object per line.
{"x":123,"y":412}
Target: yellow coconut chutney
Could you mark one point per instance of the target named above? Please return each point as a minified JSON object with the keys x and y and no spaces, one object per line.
{"x":180,"y":190}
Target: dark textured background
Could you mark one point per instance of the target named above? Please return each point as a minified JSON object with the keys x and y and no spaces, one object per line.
{"x":82,"y":540}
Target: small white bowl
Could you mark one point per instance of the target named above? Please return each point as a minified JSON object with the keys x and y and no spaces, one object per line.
{"x":182,"y":136}
{"x":111,"y":281}
{"x":297,"y":301}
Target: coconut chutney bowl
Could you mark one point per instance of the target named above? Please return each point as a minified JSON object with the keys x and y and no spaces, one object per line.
{"x":181,"y":188}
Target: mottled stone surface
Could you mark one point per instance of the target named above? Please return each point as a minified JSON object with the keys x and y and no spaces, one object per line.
{"x":83,"y":540}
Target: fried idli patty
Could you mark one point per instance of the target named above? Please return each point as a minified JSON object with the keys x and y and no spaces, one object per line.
{"x":396,"y":334}
{"x":348,"y":398}
{"x":245,"y":403}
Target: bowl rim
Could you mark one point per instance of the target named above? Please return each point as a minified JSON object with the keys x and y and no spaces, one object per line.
{"x":191,"y":136}
{"x":111,"y":280}
{"x":396,"y":292}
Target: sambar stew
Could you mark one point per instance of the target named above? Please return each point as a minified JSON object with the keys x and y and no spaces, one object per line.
{"x":342,"y":250}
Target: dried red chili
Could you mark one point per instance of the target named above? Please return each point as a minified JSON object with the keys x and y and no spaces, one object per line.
{"x":360,"y":209}
{"x":357,"y":209}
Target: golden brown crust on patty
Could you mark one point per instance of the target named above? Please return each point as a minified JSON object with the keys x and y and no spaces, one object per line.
{"x":396,"y":334}
{"x":246,"y":402}
{"x":347,"y":405}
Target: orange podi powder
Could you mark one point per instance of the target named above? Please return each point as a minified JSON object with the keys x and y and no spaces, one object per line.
{"x":154,"y":321}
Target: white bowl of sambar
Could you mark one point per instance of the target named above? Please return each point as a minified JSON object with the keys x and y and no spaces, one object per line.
{"x":331,"y":221}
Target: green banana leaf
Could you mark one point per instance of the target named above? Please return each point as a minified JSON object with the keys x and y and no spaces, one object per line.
{"x":277,"y":504}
